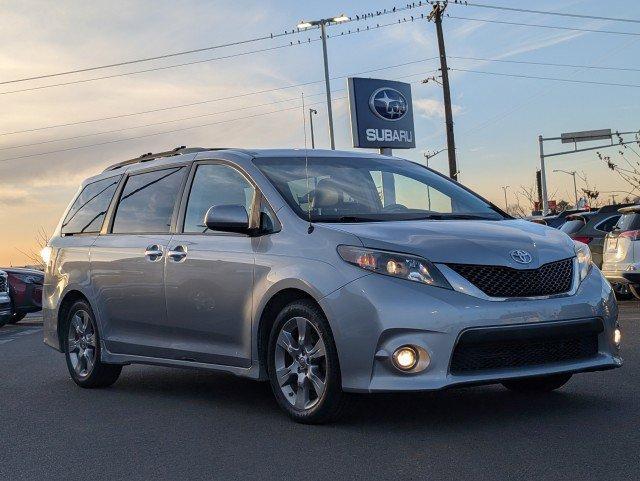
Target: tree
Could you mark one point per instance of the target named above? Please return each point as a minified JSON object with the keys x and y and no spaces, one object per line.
{"x":627,"y":165}
{"x":33,"y":255}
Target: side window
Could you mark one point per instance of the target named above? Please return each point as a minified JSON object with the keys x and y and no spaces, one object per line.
{"x":88,"y":210}
{"x":147,"y":202}
{"x":215,"y":184}
{"x":417,"y":195}
{"x":607,"y":225}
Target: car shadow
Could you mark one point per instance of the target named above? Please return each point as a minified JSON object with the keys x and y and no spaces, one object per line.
{"x":441,"y":410}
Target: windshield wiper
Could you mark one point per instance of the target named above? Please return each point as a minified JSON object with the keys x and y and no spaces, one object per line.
{"x":459,"y":217}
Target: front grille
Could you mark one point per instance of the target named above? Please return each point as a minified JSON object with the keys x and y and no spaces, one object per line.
{"x":3,"y":284}
{"x":499,"y":281}
{"x":492,"y":349}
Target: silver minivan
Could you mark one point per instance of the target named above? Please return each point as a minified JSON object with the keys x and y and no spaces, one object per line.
{"x":324,"y":272}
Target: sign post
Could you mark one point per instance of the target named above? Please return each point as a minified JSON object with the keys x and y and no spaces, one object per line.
{"x":381,"y":114}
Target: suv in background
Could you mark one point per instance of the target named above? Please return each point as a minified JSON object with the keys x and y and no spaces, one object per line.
{"x":25,"y":291}
{"x":324,"y":272}
{"x":621,"y":258}
{"x":592,"y":227}
{"x":5,"y":301}
{"x":556,"y":220}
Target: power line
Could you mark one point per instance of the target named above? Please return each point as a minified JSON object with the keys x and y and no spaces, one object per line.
{"x":201,"y":102}
{"x":546,"y":12}
{"x":155,"y":69}
{"x":182,"y":129}
{"x":547,"y":64}
{"x":164,"y":122}
{"x":195,"y":62}
{"x":501,"y":74}
{"x":271,"y":36}
{"x":538,"y":25}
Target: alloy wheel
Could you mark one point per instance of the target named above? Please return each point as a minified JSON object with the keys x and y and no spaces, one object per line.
{"x":81,"y":341}
{"x":301,"y":363}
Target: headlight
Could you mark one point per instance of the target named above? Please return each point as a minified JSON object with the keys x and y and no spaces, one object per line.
{"x":404,"y":266}
{"x":583,"y":253}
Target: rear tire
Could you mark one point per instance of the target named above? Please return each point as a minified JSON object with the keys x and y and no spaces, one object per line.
{"x":82,"y":349}
{"x":303,"y":366}
{"x":635,"y":290}
{"x":538,"y":384}
{"x":16,"y":318}
{"x":622,"y":292}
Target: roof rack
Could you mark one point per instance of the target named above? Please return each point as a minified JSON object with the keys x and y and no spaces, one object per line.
{"x":182,"y":150}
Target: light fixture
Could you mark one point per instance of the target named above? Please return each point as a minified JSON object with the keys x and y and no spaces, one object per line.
{"x":341,"y":18}
{"x":405,"y":358}
{"x":303,"y":24}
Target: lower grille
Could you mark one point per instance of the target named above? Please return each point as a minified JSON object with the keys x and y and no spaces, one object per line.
{"x":500,"y":281}
{"x":3,"y":284}
{"x":521,"y":346}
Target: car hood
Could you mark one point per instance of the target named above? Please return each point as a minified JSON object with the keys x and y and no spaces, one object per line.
{"x":466,"y":241}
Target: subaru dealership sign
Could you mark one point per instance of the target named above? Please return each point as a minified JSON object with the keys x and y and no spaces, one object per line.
{"x":381,"y":114}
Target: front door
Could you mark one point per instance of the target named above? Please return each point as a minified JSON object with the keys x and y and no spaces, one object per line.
{"x":127,"y":264}
{"x":209,"y":275}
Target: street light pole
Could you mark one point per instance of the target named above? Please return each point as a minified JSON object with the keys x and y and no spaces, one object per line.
{"x":506,"y":204}
{"x":311,"y":114}
{"x":543,"y":177}
{"x":323,"y":31}
{"x":322,"y":23}
{"x":575,"y":187}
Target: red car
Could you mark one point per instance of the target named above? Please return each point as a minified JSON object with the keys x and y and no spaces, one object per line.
{"x":25,"y":291}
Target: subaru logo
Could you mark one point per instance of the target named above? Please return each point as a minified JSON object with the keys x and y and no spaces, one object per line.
{"x":521,"y":257}
{"x":388,"y":104}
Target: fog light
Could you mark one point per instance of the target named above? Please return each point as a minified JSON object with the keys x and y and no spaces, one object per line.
{"x":617,"y":337}
{"x":405,"y":358}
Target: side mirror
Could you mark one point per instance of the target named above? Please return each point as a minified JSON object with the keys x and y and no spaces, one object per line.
{"x":227,"y":218}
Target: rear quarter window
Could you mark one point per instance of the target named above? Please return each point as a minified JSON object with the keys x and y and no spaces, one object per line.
{"x":88,"y":210}
{"x":572,"y":226}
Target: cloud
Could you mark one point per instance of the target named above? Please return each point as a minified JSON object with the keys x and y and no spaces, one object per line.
{"x":432,"y":108}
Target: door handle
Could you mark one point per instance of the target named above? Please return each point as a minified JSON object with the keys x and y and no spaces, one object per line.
{"x":178,"y":253}
{"x":153,"y":252}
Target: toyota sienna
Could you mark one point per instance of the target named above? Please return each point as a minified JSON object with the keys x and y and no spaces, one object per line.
{"x":324,"y":272}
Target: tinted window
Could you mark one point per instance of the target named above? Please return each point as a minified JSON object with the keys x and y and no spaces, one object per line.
{"x":608,"y":224}
{"x":148,"y":201}
{"x":215,"y":184}
{"x":88,"y":210}
{"x":572,"y":226}
{"x":348,"y":189}
{"x":629,"y":222}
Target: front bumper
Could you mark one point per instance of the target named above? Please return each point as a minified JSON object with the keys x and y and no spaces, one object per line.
{"x":5,"y":306}
{"x":618,"y":273}
{"x":374,"y":315}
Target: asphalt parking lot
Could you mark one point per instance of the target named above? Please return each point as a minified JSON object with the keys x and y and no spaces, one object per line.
{"x":157,"y":423}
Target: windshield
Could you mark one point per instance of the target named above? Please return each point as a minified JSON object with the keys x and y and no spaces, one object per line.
{"x":364,"y":190}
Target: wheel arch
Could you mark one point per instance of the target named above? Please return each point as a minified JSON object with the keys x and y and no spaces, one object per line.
{"x":67,"y":301}
{"x":268,"y":315}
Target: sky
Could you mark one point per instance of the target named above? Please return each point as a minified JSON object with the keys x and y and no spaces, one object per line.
{"x":497,"y":118}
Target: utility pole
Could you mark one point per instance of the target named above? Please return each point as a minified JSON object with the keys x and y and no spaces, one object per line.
{"x":436,"y":15}
{"x":543,"y":178}
{"x":311,"y":114}
{"x":506,"y":204}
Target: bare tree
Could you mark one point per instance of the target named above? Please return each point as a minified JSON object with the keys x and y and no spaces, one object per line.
{"x":626,"y":165}
{"x":33,"y":254}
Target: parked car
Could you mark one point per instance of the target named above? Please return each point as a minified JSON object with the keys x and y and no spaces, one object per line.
{"x":556,"y":220}
{"x":5,"y":300}
{"x":621,"y":258}
{"x":592,"y":227}
{"x":25,"y":291}
{"x":324,"y":272}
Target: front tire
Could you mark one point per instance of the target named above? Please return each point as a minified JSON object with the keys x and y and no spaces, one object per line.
{"x":16,"y":318}
{"x":635,"y":290}
{"x":303,"y":365}
{"x":82,"y":349}
{"x":538,"y":384}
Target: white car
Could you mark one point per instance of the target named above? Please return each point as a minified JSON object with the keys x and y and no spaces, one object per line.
{"x":621,"y":253}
